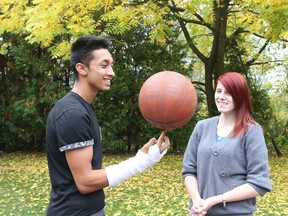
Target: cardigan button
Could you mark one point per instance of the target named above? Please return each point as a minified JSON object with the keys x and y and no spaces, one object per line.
{"x":215,"y":153}
{"x":223,"y":173}
{"x":234,"y":186}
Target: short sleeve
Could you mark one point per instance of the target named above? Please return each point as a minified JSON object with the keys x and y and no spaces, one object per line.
{"x":74,"y":130}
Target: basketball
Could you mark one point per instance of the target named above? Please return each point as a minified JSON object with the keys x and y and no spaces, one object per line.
{"x":167,"y":100}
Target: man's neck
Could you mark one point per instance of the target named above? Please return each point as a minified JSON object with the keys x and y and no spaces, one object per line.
{"x":84,"y":92}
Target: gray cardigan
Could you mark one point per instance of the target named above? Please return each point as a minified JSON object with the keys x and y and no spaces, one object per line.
{"x":220,"y":167}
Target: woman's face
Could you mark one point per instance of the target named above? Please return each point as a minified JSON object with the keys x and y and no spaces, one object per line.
{"x":223,"y":99}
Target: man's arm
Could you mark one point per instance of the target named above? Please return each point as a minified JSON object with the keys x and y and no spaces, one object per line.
{"x":89,"y":180}
{"x":86,"y":179}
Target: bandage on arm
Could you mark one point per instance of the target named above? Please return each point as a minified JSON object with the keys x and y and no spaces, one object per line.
{"x":120,"y":172}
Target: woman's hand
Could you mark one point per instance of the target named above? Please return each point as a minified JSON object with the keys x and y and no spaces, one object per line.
{"x":202,"y":206}
{"x":197,"y":208}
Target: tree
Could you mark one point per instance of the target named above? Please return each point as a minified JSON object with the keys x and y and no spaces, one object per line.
{"x":118,"y":111}
{"x":223,"y":35}
{"x":206,"y":25}
{"x":278,"y":129}
{"x":30,"y":84}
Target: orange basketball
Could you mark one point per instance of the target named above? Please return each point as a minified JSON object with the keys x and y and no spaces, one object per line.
{"x":167,"y":100}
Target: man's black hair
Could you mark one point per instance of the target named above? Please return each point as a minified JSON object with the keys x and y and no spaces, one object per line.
{"x":83,"y":48}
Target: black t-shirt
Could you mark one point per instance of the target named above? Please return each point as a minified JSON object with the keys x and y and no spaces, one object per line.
{"x":71,"y":124}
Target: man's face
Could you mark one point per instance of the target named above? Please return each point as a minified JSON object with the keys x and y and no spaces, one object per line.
{"x":100,"y":71}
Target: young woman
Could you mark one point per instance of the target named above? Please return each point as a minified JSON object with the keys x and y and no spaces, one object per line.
{"x":225,"y":165}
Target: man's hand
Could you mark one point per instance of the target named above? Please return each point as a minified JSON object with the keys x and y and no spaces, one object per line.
{"x":162,"y":143}
{"x":151,"y":153}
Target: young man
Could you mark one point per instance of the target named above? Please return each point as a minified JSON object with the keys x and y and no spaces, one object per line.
{"x":73,"y":136}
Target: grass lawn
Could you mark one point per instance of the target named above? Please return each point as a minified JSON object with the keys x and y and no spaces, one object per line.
{"x":25,"y":186}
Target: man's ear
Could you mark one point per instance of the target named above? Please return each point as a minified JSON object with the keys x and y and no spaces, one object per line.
{"x":81,"y":68}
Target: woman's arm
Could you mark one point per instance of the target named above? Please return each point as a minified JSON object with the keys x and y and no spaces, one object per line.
{"x":192,"y":188}
{"x":242,"y":192}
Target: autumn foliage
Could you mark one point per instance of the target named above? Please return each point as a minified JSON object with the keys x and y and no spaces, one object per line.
{"x":25,"y":187}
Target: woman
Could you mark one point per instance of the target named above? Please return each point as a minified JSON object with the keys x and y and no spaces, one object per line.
{"x":225,"y":165}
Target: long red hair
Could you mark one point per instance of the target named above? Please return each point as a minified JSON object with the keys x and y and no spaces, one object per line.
{"x":237,"y":87}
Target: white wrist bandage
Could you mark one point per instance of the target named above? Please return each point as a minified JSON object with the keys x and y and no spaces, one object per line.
{"x":120,"y":172}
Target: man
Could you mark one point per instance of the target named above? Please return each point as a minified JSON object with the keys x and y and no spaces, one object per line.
{"x":73,"y":136}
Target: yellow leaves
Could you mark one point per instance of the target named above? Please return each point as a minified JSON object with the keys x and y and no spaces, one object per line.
{"x":12,"y":15}
{"x":43,"y":21}
{"x":61,"y":50}
{"x":24,"y":184}
{"x":49,"y":22}
{"x":123,"y":17}
{"x":276,"y":202}
{"x":44,"y":26}
{"x":4,"y":48}
{"x":119,"y":20}
{"x":159,"y":190}
{"x":203,"y":8}
{"x":265,"y":17}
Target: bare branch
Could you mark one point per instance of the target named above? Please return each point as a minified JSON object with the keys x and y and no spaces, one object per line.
{"x":267,"y":62}
{"x":187,"y":36}
{"x":252,"y":61}
{"x":200,"y":21}
{"x":198,"y":83}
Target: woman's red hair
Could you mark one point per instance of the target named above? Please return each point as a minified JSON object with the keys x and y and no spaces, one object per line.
{"x":237,"y":87}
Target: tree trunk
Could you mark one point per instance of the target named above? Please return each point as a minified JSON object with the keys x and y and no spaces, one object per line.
{"x":210,"y":91}
{"x":279,"y":153}
{"x":221,"y":17}
{"x":214,"y":64}
{"x":214,"y":67}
